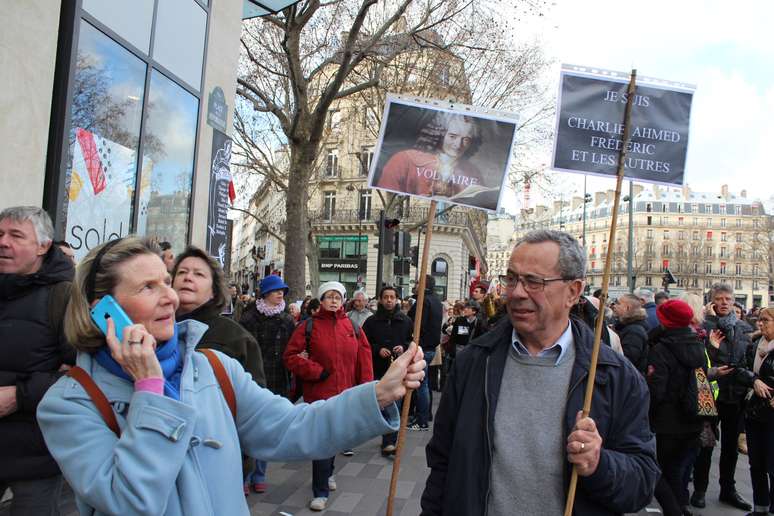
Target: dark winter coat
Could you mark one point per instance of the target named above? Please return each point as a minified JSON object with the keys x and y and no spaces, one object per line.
{"x":732,"y":350}
{"x":633,"y":331}
{"x":432,"y":318}
{"x":463,"y":332}
{"x":228,"y":337}
{"x":32,"y":348}
{"x":460,"y":455}
{"x":338,"y":359}
{"x":674,"y":356}
{"x":385,"y":330}
{"x":272,"y":333}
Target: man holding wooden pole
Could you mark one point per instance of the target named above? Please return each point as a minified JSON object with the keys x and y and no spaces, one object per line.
{"x":509,"y":428}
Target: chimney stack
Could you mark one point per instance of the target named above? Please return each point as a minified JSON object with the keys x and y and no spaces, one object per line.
{"x":599,"y":198}
{"x":744,"y":194}
{"x":686,"y":192}
{"x":576,"y":202}
{"x":724,"y":191}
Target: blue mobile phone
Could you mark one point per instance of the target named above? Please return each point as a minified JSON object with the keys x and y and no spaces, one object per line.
{"x":109,"y":307}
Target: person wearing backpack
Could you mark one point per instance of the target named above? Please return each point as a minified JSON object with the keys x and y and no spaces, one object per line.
{"x":328,"y":356}
{"x":144,"y":424}
{"x":675,"y":354}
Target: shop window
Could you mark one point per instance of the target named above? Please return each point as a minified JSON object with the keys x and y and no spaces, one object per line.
{"x":169,"y":140}
{"x":178,"y":42}
{"x":100,"y":174}
{"x":130,"y":20}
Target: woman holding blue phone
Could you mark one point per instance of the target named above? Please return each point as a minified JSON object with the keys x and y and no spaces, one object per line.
{"x":176,"y":449}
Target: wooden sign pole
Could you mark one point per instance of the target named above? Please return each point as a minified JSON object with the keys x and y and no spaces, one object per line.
{"x":417,"y":327}
{"x":605,"y":281}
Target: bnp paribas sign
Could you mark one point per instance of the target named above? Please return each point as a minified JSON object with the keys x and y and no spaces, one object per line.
{"x":589,"y":125}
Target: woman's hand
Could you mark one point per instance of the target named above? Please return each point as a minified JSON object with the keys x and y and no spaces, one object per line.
{"x":716,"y":337}
{"x":405,"y":372}
{"x":136,"y":353}
{"x":762,"y":390}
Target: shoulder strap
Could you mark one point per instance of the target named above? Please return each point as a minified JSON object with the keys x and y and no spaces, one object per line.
{"x":97,"y":397}
{"x":225,"y":382}
{"x":308,"y":333}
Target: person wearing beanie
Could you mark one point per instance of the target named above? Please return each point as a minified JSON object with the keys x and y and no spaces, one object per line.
{"x":271,"y":325}
{"x":328,"y":355}
{"x":675,"y":354}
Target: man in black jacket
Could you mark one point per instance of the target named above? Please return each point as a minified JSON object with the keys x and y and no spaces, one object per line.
{"x":429,"y":338}
{"x":726,"y":332}
{"x":389,"y":334}
{"x":509,"y":428}
{"x":35,"y":282}
{"x":632,"y":327}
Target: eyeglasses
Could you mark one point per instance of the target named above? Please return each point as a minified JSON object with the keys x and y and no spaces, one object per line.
{"x":764,"y":321}
{"x":332,"y":298}
{"x":530,"y":283}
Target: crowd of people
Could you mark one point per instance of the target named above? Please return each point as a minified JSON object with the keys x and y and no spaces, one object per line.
{"x":182,"y":413}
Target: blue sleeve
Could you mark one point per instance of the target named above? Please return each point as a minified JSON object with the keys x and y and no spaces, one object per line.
{"x":271,"y":428}
{"x":131,"y":475}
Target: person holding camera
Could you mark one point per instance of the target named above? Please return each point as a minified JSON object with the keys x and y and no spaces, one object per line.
{"x":726,"y":344}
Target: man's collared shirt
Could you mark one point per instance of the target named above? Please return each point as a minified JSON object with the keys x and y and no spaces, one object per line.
{"x":558,"y":350}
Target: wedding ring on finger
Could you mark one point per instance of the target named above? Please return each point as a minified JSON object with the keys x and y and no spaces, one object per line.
{"x":133,"y":342}
{"x":583,"y":446}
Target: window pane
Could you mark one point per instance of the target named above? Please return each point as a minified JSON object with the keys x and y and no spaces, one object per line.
{"x":105,"y":127}
{"x":130,"y":20}
{"x":168,"y":155}
{"x":179,"y":39}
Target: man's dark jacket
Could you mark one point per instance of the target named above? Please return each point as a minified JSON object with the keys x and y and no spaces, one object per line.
{"x":32,"y":348}
{"x":733,"y":387}
{"x":633,"y":331}
{"x":272,"y":334}
{"x":460,"y":455}
{"x":385,"y":330}
{"x":432,"y":319}
{"x":227,"y":336}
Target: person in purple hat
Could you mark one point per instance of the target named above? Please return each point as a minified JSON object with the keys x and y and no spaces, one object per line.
{"x":271,"y":325}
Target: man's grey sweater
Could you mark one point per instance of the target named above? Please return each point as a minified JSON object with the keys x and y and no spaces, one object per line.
{"x":529,"y":441}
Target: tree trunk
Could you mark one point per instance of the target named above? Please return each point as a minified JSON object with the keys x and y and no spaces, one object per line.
{"x":313,"y":261}
{"x":297,"y":222}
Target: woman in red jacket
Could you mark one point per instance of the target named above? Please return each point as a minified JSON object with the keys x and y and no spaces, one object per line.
{"x":335,"y":358}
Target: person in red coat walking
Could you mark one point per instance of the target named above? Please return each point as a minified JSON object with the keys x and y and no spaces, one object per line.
{"x":336,"y":358}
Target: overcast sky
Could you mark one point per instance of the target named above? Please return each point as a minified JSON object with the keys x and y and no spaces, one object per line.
{"x":725,"y":49}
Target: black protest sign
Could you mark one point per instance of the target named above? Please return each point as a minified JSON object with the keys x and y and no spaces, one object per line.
{"x":589,"y":130}
{"x":442,"y":151}
{"x":217,"y":214}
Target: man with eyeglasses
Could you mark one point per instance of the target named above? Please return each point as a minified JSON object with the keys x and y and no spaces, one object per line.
{"x":509,"y":427}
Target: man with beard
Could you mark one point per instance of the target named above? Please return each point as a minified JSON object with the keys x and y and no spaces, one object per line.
{"x":510,"y":425}
{"x":389,"y":333}
{"x":35,"y":278}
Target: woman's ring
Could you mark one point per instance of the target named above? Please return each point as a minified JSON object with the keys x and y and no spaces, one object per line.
{"x":131,"y":342}
{"x":583,"y":446}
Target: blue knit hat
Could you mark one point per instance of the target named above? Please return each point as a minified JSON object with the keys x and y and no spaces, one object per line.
{"x":271,"y":283}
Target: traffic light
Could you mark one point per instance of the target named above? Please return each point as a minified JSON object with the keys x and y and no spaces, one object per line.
{"x":415,"y":255}
{"x":388,"y":244}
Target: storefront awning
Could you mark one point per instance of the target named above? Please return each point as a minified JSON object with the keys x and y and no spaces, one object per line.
{"x":255,"y":8}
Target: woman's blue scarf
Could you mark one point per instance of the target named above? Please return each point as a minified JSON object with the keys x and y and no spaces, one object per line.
{"x":169,"y":356}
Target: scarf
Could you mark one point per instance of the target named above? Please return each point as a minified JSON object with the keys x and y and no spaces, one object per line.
{"x":761,"y":351}
{"x":267,"y":310}
{"x":169,"y":357}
